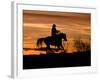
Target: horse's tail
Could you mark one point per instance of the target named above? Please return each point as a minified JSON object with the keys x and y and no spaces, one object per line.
{"x":40,"y":41}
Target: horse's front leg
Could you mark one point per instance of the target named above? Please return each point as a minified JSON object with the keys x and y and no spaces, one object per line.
{"x":47,"y":49}
{"x":63,"y":48}
{"x":58,"y":48}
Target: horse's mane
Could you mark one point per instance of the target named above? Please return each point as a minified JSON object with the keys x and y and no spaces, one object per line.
{"x":62,"y":33}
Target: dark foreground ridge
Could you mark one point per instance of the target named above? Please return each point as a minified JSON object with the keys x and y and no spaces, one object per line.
{"x":57,"y":60}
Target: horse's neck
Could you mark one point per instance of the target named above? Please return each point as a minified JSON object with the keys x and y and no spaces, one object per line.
{"x":61,"y":36}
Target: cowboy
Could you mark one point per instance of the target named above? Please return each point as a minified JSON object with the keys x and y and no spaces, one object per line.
{"x":54,"y":31}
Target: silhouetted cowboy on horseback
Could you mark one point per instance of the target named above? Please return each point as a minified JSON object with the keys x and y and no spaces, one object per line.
{"x":55,"y":39}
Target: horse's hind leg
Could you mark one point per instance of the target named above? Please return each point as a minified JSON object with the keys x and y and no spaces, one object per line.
{"x":49,"y":50}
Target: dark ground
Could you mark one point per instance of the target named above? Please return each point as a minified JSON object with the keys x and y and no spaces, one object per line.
{"x":57,"y":60}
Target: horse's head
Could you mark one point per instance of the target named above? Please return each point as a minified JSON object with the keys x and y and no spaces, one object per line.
{"x":63,"y":36}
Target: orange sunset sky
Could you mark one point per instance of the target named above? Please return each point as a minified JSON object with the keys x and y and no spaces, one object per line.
{"x":38,"y":24}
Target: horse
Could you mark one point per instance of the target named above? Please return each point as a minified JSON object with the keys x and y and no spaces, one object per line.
{"x":53,"y":40}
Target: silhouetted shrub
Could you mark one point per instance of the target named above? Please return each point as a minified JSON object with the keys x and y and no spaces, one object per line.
{"x":80,"y":45}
